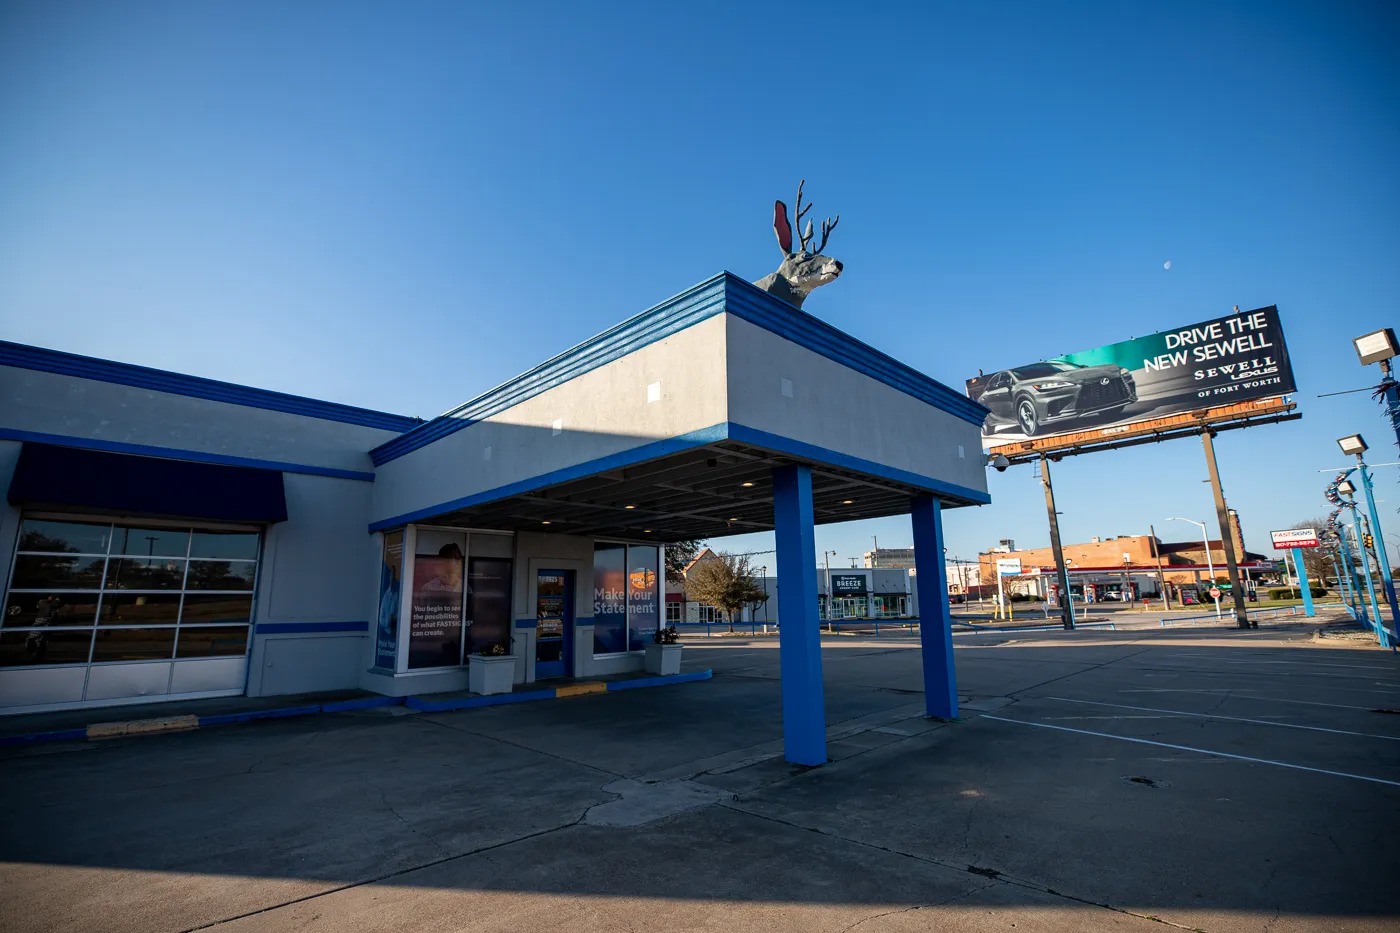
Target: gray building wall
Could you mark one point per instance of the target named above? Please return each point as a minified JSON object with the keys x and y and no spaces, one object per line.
{"x":840,"y":409}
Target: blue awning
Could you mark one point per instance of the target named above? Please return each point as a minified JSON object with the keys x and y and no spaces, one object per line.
{"x":72,"y":478}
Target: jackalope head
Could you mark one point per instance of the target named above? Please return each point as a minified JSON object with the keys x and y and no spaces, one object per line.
{"x":806,"y":268}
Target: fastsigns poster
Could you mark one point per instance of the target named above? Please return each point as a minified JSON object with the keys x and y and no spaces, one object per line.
{"x":1238,"y":358}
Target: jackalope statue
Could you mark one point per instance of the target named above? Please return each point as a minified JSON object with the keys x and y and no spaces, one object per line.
{"x":806,"y":268}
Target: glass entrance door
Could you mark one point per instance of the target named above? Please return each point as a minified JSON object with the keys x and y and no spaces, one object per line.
{"x":554,"y":623}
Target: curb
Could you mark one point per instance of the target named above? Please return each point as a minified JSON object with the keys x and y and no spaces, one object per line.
{"x":166,"y":724}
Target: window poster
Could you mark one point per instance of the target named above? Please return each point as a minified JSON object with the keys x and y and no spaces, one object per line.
{"x":642,"y":609}
{"x":386,"y":637}
{"x":489,"y":604}
{"x":435,"y":622}
{"x":609,"y":598}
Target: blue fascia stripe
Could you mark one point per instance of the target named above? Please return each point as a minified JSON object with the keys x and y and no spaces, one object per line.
{"x":640,"y":682}
{"x":174,"y":453}
{"x":296,"y":628}
{"x":716,"y":295}
{"x":670,"y":316}
{"x":728,"y":430}
{"x":630,"y":457}
{"x":159,"y":380}
{"x":786,"y":445}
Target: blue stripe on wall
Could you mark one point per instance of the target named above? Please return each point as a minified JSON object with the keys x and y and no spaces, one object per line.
{"x":298,"y":628}
{"x":728,"y":430}
{"x":174,"y":453}
{"x":724,"y":292}
{"x":143,"y":377}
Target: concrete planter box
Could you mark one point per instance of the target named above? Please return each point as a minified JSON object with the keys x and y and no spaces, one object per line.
{"x":664,"y":659}
{"x":490,"y":675}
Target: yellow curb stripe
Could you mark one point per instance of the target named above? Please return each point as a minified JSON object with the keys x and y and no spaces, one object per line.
{"x":111,"y":730}
{"x":578,"y":690}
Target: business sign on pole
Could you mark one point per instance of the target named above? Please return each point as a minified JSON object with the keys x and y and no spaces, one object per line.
{"x":1009,"y":567}
{"x":1295,"y":537}
{"x":1224,"y":362}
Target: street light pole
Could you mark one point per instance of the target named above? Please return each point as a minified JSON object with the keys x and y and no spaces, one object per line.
{"x":1205,"y":539}
{"x":1378,"y":537}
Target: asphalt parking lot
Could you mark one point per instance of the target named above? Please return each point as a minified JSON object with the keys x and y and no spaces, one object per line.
{"x":1143,"y":780}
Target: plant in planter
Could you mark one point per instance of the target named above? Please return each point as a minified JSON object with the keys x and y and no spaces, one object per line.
{"x":664,"y":652}
{"x":491,"y":671}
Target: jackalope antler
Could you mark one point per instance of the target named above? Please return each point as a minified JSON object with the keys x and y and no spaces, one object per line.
{"x":807,"y":236}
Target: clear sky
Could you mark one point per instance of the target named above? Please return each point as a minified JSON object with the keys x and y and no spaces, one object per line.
{"x":401,"y":205}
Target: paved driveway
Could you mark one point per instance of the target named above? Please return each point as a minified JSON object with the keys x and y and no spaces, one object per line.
{"x":1214,"y":779}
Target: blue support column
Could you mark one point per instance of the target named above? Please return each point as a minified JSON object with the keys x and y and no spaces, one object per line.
{"x":1304,"y":586}
{"x":799,"y":634}
{"x":935,"y":617}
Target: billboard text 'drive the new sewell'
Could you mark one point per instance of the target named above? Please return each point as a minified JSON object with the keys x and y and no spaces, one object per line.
{"x":1233,"y":359}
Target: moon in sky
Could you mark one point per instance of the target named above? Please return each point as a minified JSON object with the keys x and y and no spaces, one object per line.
{"x":1167,"y":264}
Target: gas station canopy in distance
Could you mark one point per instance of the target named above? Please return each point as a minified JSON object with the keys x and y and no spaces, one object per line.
{"x":1295,"y":537}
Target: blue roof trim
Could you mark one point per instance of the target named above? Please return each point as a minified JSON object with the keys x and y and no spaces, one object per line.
{"x":159,"y":380}
{"x":786,"y":445}
{"x":615,"y":461}
{"x":174,"y":453}
{"x":720,"y":293}
{"x":748,"y":301}
{"x":672,"y":315}
{"x":725,"y":430}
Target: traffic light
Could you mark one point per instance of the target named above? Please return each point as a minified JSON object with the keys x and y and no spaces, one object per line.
{"x":1367,"y":540}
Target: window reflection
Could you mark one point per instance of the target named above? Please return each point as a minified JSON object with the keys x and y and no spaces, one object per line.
{"x":215,"y":641}
{"x":133,"y":644}
{"x":50,"y":572}
{"x":37,"y":534}
{"x":203,"y":608}
{"x":44,"y":609}
{"x":151,"y":542}
{"x":44,"y":646}
{"x":221,"y":575}
{"x":142,"y":609}
{"x":145,"y":573}
{"x":227,"y":544}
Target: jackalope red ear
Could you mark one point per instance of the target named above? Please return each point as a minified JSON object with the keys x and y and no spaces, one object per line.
{"x":781,"y":226}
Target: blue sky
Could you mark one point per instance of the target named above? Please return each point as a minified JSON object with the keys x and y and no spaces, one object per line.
{"x":399,"y":206}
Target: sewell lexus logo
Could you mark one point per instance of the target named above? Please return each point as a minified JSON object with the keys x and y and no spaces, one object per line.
{"x":1103,"y":381}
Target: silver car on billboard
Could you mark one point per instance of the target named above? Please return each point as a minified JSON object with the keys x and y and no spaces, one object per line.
{"x":1037,"y":397}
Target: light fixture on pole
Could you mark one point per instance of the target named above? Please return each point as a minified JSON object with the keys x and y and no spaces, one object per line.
{"x":1377,"y":346}
{"x":1352,"y":444}
{"x":1205,"y":538}
{"x":1346,"y":488}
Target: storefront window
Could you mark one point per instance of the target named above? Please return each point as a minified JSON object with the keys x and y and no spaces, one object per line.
{"x":609,"y":598}
{"x":386,"y":636}
{"x":643,"y":609}
{"x":626,"y":597}
{"x":488,"y":610}
{"x":435,"y":620}
{"x":88,"y":591}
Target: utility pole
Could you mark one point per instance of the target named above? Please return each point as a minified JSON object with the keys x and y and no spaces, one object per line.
{"x":1061,"y":573}
{"x":1161,"y":580}
{"x":1227,"y":539}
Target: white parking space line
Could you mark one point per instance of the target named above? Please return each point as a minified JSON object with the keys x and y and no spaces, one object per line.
{"x":1373,"y":668}
{"x":1159,"y":667}
{"x":1199,"y":751}
{"x":1243,"y":696}
{"x":1257,"y":722}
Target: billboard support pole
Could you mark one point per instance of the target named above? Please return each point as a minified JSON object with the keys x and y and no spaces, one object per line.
{"x":1061,"y":573}
{"x":1227,"y":538}
{"x":1161,"y":580}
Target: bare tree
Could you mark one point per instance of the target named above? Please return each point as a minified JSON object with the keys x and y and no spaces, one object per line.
{"x":727,"y":583}
{"x":678,"y":555}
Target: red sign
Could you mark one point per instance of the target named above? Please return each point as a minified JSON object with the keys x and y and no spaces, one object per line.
{"x":1214,"y":592}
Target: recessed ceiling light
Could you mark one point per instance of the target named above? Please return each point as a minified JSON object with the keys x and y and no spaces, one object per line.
{"x":734,"y":519}
{"x":646,"y":531}
{"x":629,"y":506}
{"x":847,"y":501}
{"x":544,"y":523}
{"x":746,"y":485}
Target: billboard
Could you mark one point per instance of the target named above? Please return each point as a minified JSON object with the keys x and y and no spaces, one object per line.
{"x":1231,"y":360}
